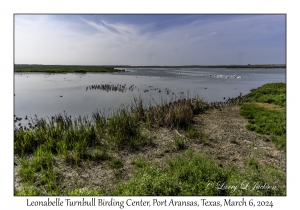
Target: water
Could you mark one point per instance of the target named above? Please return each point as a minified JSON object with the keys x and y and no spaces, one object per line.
{"x":45,"y":94}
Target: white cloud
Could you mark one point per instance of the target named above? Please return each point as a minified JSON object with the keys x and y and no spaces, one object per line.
{"x":48,"y":40}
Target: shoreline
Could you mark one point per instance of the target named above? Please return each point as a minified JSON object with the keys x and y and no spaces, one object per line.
{"x":64,"y":69}
{"x":109,"y":158}
{"x":212,"y":66}
{"x":118,"y":68}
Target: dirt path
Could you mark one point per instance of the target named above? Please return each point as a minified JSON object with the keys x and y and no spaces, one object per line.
{"x":228,"y":141}
{"x":231,"y":142}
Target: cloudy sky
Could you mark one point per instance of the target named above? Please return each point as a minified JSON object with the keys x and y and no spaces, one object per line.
{"x":150,"y":39}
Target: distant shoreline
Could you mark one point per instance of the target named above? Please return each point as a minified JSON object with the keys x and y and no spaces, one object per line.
{"x":64,"y":69}
{"x":111,"y":68}
{"x":215,"y":66}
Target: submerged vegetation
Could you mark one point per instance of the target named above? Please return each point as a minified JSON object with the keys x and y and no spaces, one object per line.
{"x":63,"y":69}
{"x":46,"y":144}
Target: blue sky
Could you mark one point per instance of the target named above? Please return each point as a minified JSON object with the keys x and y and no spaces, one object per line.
{"x":150,"y":39}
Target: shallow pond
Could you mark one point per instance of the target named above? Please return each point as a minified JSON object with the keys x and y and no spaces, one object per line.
{"x":45,"y":94}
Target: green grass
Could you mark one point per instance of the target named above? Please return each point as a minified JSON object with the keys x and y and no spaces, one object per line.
{"x":265,"y":109}
{"x":116,"y":164}
{"x":62,"y":68}
{"x":256,"y":175}
{"x":179,"y":143}
{"x":27,"y":190}
{"x":61,"y":134}
{"x":85,"y":192}
{"x":273,"y":93}
{"x":193,"y":174}
{"x":140,"y":162}
{"x":39,"y":172}
{"x":81,"y":140}
{"x":197,"y":135}
{"x":122,"y":129}
{"x":76,"y":141}
{"x":188,"y":174}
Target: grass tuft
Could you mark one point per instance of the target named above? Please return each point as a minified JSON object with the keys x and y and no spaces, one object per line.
{"x":197,"y":134}
{"x":179,"y":143}
{"x":115,"y":164}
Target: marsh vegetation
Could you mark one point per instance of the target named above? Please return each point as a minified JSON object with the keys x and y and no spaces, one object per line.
{"x":48,"y":94}
{"x":63,"y":69}
{"x":146,"y":150}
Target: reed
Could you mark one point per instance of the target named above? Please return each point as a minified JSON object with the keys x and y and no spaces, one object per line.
{"x":121,"y":129}
{"x":173,"y":114}
{"x":76,"y":140}
{"x":45,"y":141}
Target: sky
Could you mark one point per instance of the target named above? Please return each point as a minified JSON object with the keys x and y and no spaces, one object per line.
{"x":191,"y":39}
